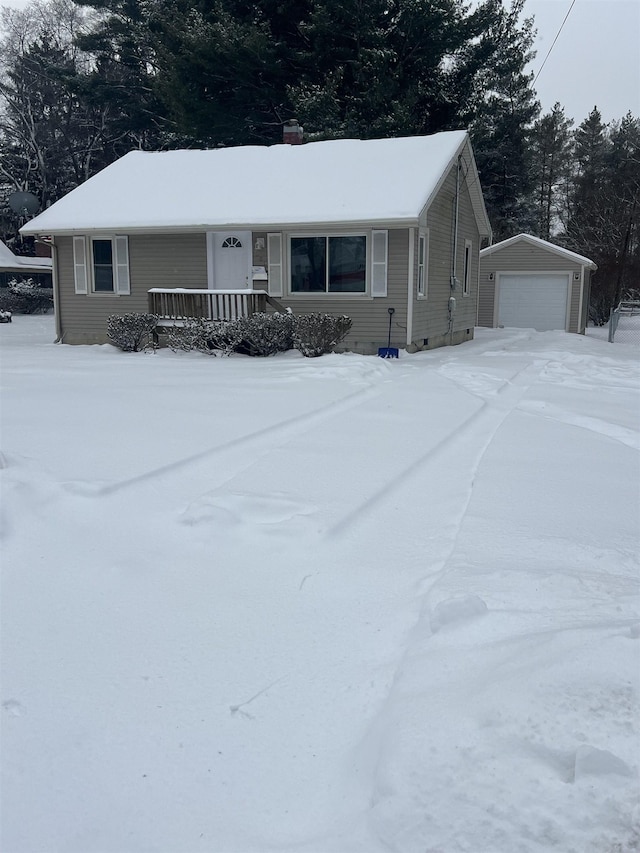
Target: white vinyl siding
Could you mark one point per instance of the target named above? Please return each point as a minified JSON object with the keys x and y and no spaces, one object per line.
{"x":274,"y":264}
{"x":379,"y":262}
{"x":80,"y":264}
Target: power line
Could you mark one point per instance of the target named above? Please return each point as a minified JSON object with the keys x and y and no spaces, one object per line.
{"x":554,"y":41}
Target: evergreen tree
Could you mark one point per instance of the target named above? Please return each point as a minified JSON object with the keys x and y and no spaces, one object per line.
{"x":501,"y":119}
{"x":231,"y":71}
{"x":552,"y":160}
{"x":605,"y":218}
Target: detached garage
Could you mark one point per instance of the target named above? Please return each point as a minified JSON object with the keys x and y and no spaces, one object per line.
{"x":530,"y":283}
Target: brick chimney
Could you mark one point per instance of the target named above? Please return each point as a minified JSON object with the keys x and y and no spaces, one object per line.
{"x":292,"y":132}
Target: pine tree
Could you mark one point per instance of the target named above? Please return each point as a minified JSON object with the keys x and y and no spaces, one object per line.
{"x":501,"y":120}
{"x":605,"y":218}
{"x":552,"y":160}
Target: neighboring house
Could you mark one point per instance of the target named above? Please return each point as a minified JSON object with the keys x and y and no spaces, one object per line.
{"x":532,"y":284}
{"x":343,"y":226}
{"x":19,"y":267}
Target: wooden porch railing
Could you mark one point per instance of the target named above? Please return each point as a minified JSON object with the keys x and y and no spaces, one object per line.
{"x":171,"y":304}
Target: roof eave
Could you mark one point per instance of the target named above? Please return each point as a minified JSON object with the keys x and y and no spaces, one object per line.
{"x":203,"y":228}
{"x":477,"y":199}
{"x":541,"y":244}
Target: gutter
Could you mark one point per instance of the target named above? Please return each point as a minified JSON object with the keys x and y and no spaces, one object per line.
{"x":202,"y":228}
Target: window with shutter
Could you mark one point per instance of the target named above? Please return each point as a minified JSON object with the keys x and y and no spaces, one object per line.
{"x":108,"y":266}
{"x":274,"y":251}
{"x":379,"y":262}
{"x":122,"y":266}
{"x":80,"y":264}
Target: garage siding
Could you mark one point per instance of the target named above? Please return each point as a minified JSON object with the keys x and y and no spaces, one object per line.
{"x":522,"y":257}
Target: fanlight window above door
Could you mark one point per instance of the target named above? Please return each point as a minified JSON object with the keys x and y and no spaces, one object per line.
{"x":231,"y":243}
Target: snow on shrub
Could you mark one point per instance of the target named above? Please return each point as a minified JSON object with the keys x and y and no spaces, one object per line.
{"x":131,"y":332}
{"x":258,"y":335}
{"x":193,"y":334}
{"x":213,"y":337}
{"x":265,"y":334}
{"x":316,"y":334}
{"x":24,"y":296}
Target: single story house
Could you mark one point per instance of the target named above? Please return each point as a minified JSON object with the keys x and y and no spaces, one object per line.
{"x":530,"y":283}
{"x":343,"y":226}
{"x":19,"y":267}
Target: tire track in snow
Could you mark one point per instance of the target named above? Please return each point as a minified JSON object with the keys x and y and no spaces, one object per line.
{"x":471,"y":439}
{"x":246,"y":449}
{"x":629,"y":438}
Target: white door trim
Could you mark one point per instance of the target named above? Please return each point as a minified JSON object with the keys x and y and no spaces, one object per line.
{"x":245,"y":237}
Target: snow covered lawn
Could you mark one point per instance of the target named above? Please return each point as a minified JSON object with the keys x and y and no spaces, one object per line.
{"x":341,"y":605}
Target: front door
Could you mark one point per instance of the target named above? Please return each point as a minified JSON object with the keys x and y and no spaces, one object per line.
{"x":229,"y":260}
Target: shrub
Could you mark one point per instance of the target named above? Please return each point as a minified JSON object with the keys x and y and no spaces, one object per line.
{"x":316,"y":334}
{"x":26,"y":297}
{"x":265,"y":334}
{"x":131,"y":332}
{"x":193,"y":334}
{"x":226,"y":336}
{"x":7,"y":300}
{"x":213,"y":337}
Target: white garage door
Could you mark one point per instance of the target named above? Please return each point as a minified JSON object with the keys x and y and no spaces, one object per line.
{"x":533,"y":301}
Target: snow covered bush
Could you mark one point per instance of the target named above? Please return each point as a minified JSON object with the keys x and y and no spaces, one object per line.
{"x":212,"y":337}
{"x":26,"y":297}
{"x":316,"y":334}
{"x":226,"y":336}
{"x":193,"y":334}
{"x":131,"y":332}
{"x":265,"y":334}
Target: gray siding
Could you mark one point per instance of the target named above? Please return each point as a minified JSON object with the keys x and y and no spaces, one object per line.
{"x":431,"y":315}
{"x":522,"y":257}
{"x":370,"y":317}
{"x":154,"y":261}
{"x":181,"y":261}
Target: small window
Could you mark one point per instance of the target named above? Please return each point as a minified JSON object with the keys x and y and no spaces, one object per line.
{"x":423,"y":255}
{"x":466,"y":281}
{"x":231,"y":243}
{"x":102,"y":257}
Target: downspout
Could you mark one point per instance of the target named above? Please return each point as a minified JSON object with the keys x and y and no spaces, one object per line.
{"x":580,"y":304}
{"x":412,"y":249}
{"x":56,"y":289}
{"x":455,"y":227}
{"x":454,"y":260}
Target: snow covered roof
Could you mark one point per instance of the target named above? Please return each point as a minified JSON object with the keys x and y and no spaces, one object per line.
{"x":17,"y":262}
{"x":337,"y":181}
{"x":540,"y":244}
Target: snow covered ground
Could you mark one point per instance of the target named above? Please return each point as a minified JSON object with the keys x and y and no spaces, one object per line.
{"x":341,"y":605}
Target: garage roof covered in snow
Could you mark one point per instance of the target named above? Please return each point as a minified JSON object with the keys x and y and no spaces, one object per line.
{"x":539,"y":244}
{"x":9,"y":261}
{"x":338,"y":181}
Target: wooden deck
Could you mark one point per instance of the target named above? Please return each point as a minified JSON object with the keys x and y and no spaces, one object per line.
{"x":173,"y":305}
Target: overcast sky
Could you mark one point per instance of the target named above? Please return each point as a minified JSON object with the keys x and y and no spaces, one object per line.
{"x":595,"y":61}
